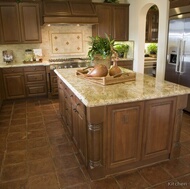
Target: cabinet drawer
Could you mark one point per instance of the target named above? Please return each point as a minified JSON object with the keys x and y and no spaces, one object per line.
{"x":79,"y":105}
{"x":34,"y":68}
{"x":36,"y":90}
{"x":35,"y":77}
{"x":12,"y":70}
{"x":54,"y":90}
{"x":54,"y":79}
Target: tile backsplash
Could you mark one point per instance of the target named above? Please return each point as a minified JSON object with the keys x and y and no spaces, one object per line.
{"x":57,"y":41}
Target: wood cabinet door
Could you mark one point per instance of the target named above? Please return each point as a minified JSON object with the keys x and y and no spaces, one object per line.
{"x":124,"y":132}
{"x":120,"y":23}
{"x":179,"y":3}
{"x":56,"y":8}
{"x":152,"y":21}
{"x":9,"y":23}
{"x":14,"y":86}
{"x":128,"y":64}
{"x":30,"y":22}
{"x":79,"y":130}
{"x":104,"y":14}
{"x":158,"y":128}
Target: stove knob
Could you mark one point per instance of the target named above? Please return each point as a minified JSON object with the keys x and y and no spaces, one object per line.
{"x":71,"y":66}
{"x":59,"y":67}
{"x":65,"y":66}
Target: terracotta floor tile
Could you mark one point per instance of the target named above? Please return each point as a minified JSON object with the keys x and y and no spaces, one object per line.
{"x":71,"y":177}
{"x":176,"y":167}
{"x":41,"y":166}
{"x":131,"y":181}
{"x":186,"y":160}
{"x":19,"y":116}
{"x":20,"y":110}
{"x":15,"y":157}
{"x":37,"y":142}
{"x":4,"y":117}
{"x":82,"y":186}
{"x":18,"y":122}
{"x":47,"y":181}
{"x":184,"y":151}
{"x":3,"y":146}
{"x":65,"y":162}
{"x":171,"y":184}
{"x":31,"y":120}
{"x":16,"y":146}
{"x":54,"y":124}
{"x":33,"y":109}
{"x":185,"y":181}
{"x":108,"y":183}
{"x":5,"y":123}
{"x":4,"y":131}
{"x":62,"y":149}
{"x":17,"y":128}
{"x":186,"y":144}
{"x":19,"y":184}
{"x":16,"y":136}
{"x":38,"y":153}
{"x":13,"y":172}
{"x":34,"y":114}
{"x":36,"y":134}
{"x":154,"y":174}
{"x":35,"y":126}
{"x":58,"y":139}
{"x":55,"y":131}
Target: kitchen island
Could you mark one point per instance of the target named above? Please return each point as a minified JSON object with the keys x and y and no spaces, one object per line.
{"x":123,"y":126}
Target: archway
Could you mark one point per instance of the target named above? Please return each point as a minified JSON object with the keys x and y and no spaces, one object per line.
{"x":151,"y":40}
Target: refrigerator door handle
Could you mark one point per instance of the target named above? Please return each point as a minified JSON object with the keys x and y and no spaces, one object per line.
{"x":178,"y":55}
{"x":182,"y":57}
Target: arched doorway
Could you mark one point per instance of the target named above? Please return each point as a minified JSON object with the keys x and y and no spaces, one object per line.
{"x":151,"y":40}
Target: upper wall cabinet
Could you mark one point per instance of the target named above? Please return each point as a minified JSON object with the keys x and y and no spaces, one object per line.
{"x":19,"y":23}
{"x":179,"y":3}
{"x":113,"y":20}
{"x":152,"y":21}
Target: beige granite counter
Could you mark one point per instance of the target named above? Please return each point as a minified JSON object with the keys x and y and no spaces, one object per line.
{"x":144,"y":88}
{"x":10,"y":65}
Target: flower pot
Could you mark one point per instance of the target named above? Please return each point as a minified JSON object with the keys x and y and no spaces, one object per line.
{"x":98,"y":59}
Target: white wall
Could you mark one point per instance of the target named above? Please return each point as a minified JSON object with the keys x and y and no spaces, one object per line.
{"x":138,"y":10}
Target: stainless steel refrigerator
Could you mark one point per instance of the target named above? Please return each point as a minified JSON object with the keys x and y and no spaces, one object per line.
{"x":178,"y":55}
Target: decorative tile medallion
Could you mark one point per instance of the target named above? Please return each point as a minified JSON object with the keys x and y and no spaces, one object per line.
{"x":67,"y":43}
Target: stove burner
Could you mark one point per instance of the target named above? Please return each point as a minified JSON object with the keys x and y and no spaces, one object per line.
{"x":64,"y":63}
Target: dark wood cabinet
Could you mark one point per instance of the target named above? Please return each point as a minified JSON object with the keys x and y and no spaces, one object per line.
{"x":152,"y":21}
{"x":35,"y":81}
{"x":20,"y":23}
{"x":113,"y":20}
{"x":179,"y":3}
{"x":79,"y":128}
{"x":14,"y":83}
{"x":73,"y":113}
{"x":128,"y":64}
{"x":124,"y":134}
{"x":56,"y":8}
{"x":158,"y":130}
{"x":21,"y":82}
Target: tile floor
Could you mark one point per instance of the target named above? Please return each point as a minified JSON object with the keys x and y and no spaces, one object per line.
{"x":36,"y":153}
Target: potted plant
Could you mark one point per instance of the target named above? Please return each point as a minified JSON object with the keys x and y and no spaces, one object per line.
{"x":152,"y":49}
{"x":101,"y":50}
{"x":122,"y":49}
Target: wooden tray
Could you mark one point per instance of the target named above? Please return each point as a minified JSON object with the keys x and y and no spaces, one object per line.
{"x":109,"y":80}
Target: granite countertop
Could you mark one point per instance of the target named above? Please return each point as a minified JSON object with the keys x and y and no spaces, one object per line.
{"x":10,"y":65}
{"x":145,"y":87}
